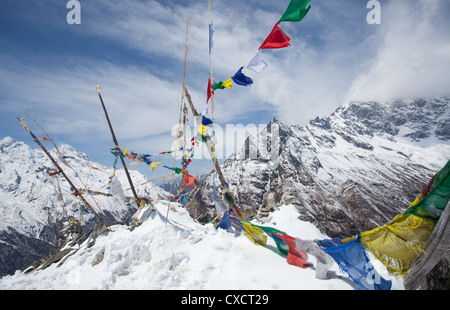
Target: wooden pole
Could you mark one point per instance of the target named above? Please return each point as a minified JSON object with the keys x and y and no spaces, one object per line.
{"x":208,"y":142}
{"x":25,"y":126}
{"x":97,"y":89}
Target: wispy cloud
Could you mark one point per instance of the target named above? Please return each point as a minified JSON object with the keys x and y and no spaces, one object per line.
{"x":413,"y":59}
{"x":134,"y":50}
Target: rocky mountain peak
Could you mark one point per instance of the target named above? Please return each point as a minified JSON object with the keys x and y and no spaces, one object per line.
{"x":348,"y":172}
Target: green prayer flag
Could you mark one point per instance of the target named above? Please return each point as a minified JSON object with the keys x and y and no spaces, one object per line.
{"x":177,"y":170}
{"x":218,"y":85}
{"x":295,"y":11}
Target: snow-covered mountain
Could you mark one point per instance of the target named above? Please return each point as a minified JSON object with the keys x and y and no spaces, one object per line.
{"x":32,"y":209}
{"x":346,"y":173}
{"x":337,"y":176}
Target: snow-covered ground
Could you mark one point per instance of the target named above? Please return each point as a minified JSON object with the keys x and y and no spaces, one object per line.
{"x":183,"y":254}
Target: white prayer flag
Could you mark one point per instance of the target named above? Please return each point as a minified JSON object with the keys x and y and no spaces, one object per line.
{"x":256,"y":63}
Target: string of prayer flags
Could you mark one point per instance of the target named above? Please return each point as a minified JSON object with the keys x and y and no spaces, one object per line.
{"x":240,"y":79}
{"x":277,"y":38}
{"x":295,"y":11}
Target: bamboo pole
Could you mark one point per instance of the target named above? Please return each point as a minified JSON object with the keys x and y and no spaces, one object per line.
{"x":208,"y":142}
{"x":136,"y":199}
{"x":187,"y":50}
{"x":25,"y":126}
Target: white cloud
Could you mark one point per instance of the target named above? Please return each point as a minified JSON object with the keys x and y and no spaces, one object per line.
{"x":334,"y":55}
{"x":413,"y":59}
{"x":139,"y":104}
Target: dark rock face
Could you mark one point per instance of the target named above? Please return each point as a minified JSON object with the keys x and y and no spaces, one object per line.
{"x":18,"y":250}
{"x":346,"y":173}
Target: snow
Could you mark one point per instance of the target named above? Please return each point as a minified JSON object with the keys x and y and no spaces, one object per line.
{"x":184,"y":254}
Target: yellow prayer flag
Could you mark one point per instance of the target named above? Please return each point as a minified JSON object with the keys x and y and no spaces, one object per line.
{"x":255,"y":234}
{"x":397,"y":243}
{"x":153,"y":165}
{"x":202,"y":130}
{"x":228,"y":84}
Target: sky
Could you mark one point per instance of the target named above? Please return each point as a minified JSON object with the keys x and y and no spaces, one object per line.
{"x":135,"y":50}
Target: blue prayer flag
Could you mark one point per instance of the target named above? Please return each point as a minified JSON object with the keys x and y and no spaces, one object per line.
{"x":351,"y":257}
{"x":240,"y":79}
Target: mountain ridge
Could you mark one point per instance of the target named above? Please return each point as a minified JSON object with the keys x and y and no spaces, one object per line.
{"x":34,"y":204}
{"x":349,"y":172}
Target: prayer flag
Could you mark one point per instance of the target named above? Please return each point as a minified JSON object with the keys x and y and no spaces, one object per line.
{"x":218,"y":85}
{"x":211,"y":32}
{"x":272,"y":232}
{"x":276,"y":39}
{"x":240,"y":79}
{"x":208,"y":91}
{"x":153,"y":165}
{"x":116,"y":188}
{"x":176,"y":170}
{"x":295,"y":256}
{"x":225,"y":222}
{"x":295,"y":11}
{"x":256,"y":63}
{"x":351,"y":257}
{"x":189,"y":181}
{"x":206,"y":121}
{"x":46,"y":139}
{"x":202,"y":129}
{"x":228,"y":84}
{"x":255,"y":234}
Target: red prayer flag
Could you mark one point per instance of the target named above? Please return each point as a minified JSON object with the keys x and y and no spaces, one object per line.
{"x":276,"y":39}
{"x":46,"y":139}
{"x":189,"y":181}
{"x":295,"y":256}
{"x":236,"y":211}
{"x":208,"y":91}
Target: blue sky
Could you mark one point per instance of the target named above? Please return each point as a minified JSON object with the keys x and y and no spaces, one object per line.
{"x":134,"y":50}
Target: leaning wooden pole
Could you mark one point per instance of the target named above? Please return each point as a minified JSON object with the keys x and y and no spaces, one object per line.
{"x":60,"y":170}
{"x":136,"y":199}
{"x":236,"y":209}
